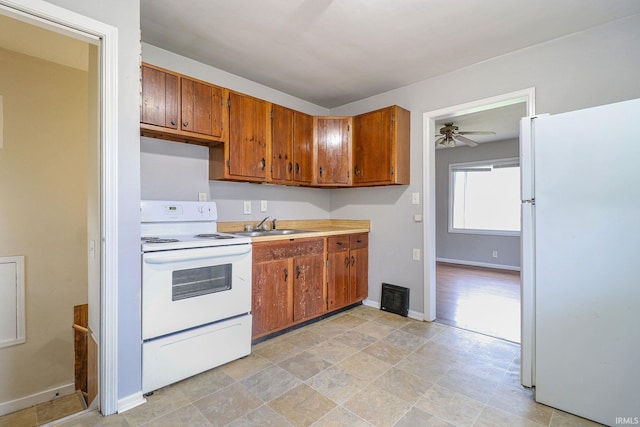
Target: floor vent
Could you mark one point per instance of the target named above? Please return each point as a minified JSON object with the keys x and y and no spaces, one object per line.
{"x":395,"y":299}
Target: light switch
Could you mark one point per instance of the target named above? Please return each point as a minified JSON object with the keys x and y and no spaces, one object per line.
{"x":263,"y":205}
{"x":247,"y":207}
{"x":415,"y":198}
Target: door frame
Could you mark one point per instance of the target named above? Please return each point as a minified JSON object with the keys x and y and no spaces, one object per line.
{"x":51,"y":17}
{"x":429,"y":178}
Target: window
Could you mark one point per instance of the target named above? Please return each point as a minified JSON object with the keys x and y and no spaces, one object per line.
{"x":484,"y":197}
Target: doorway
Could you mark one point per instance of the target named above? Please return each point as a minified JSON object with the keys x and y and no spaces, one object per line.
{"x":431,"y":121}
{"x":51,"y":203}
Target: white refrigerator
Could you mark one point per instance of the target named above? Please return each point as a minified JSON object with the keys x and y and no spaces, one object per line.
{"x":581,"y":261}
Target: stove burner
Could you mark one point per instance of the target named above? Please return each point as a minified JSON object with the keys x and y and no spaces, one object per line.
{"x":158,"y":240}
{"x":214,"y":236}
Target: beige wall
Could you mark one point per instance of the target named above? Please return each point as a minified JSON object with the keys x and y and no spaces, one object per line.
{"x":43,"y":214}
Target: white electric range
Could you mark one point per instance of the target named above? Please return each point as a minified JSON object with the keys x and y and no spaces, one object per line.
{"x":196,"y":292}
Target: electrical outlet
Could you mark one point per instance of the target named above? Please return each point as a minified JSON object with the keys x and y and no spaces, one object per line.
{"x":263,"y":205}
{"x":247,"y":207}
{"x":494,"y":254}
{"x":415,"y":198}
{"x":416,"y":254}
{"x":202,"y":197}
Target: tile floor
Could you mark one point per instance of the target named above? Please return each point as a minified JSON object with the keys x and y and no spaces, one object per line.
{"x":44,"y":413}
{"x":363,"y":367}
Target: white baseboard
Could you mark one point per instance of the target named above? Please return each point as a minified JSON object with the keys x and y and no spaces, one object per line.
{"x":34,"y":399}
{"x":130,"y":402}
{"x":479,"y":264}
{"x":376,"y":304}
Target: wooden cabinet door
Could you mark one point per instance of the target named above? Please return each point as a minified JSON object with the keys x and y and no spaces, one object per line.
{"x":159,"y":98}
{"x":359,"y":266}
{"x":372,"y":147}
{"x":302,"y":148}
{"x":333,"y":150}
{"x":282,"y":139}
{"x":381,"y":146}
{"x":249,"y":136}
{"x":202,"y":108}
{"x":291,"y":146}
{"x":271,"y":289}
{"x":359,"y":270}
{"x":338,"y":281}
{"x":308,"y":290}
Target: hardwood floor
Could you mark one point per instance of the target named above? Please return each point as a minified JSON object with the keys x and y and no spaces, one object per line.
{"x":479,"y":299}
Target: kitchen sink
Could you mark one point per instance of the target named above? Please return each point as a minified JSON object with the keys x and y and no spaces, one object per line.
{"x":277,"y":232}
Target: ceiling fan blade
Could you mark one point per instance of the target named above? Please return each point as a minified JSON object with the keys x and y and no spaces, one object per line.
{"x":465,"y":140}
{"x":476,"y":132}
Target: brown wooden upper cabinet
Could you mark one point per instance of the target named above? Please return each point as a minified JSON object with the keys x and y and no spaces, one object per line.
{"x":332,"y":159}
{"x":245,"y":156}
{"x":291,"y":146}
{"x":381,"y":147}
{"x":180,"y":108}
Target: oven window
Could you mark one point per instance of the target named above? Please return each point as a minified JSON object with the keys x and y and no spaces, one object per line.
{"x":195,"y":282}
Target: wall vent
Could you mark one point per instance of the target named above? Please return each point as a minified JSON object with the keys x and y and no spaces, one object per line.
{"x":395,"y":299}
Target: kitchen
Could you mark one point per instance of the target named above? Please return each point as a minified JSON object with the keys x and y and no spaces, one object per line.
{"x":551,"y":77}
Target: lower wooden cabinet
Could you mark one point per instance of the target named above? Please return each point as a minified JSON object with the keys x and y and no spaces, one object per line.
{"x":271,"y":296}
{"x":347,"y":269}
{"x":297,"y":280}
{"x":288,"y":283}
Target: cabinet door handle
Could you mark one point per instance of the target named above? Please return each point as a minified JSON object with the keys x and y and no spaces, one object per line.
{"x":346,"y":261}
{"x":290,"y":167}
{"x":359,"y":240}
{"x":185,"y":124}
{"x":321,"y":171}
{"x":356,"y":171}
{"x":263,"y":163}
{"x":339,"y":243}
{"x":297,"y":167}
{"x":298,"y":271}
{"x":286,"y":274}
{"x":353,"y":260}
{"x":173,"y":122}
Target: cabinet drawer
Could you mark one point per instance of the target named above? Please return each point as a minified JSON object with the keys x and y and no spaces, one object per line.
{"x":338,"y":243}
{"x":271,"y":251}
{"x":357,"y":241}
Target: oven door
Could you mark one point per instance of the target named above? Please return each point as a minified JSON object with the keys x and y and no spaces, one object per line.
{"x":186,"y":288}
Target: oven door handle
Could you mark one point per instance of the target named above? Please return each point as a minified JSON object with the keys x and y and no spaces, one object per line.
{"x":181,"y":256}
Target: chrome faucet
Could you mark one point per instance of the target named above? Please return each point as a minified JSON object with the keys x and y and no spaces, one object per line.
{"x":261,"y":223}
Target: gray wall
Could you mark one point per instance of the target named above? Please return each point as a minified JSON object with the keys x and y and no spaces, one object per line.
{"x":474,"y":249}
{"x":590,"y":68}
{"x":175,"y":171}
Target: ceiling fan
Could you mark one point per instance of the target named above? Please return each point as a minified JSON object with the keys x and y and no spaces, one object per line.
{"x":449,"y":135}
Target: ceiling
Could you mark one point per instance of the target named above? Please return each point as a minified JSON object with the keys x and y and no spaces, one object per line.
{"x":332,"y":52}
{"x":504,"y":121}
